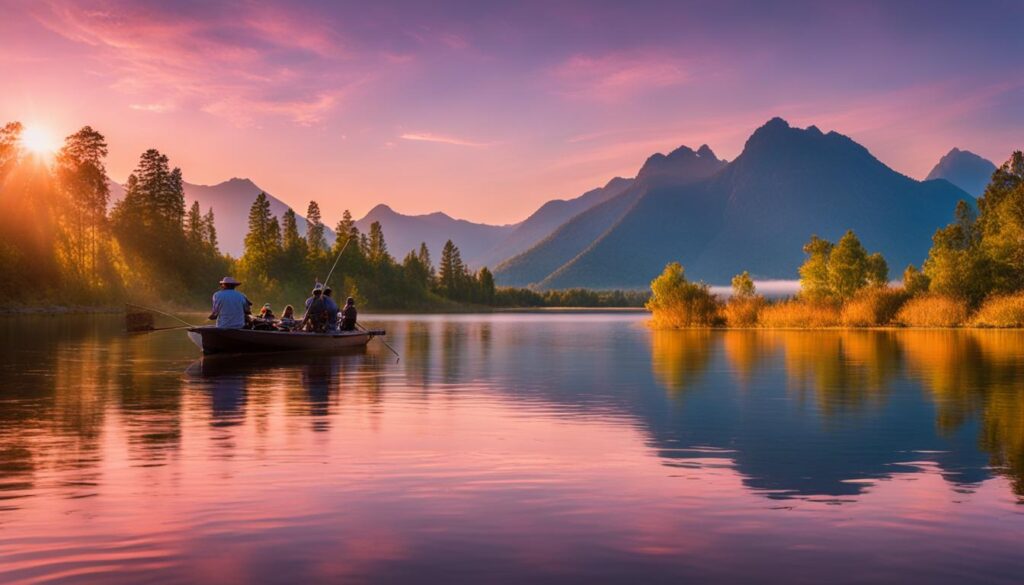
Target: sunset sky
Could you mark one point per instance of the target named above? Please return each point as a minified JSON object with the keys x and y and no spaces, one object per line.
{"x":484,"y":112}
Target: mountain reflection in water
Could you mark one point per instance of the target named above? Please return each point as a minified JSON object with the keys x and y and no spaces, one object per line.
{"x":513,"y":446}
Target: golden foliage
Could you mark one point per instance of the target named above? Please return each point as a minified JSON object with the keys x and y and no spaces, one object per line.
{"x":744,"y":311}
{"x":872,"y":307}
{"x":933,"y":311}
{"x":1001,"y":311}
{"x":805,"y":314}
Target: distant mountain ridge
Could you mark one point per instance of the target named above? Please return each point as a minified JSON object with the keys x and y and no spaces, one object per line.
{"x":574,"y":237}
{"x":406,"y":232}
{"x":964,"y":169}
{"x":754,"y":214}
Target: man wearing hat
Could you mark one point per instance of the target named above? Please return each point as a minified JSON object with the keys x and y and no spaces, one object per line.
{"x":230,"y":307}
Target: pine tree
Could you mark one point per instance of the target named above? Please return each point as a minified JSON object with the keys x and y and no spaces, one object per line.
{"x":195,"y":229}
{"x":83,"y":179}
{"x":315,"y":240}
{"x":452,"y":272}
{"x":263,"y":240}
{"x":210,"y":231}
{"x":377,"y":251}
{"x":485,"y":286}
{"x":424,"y":257}
{"x":291,"y":240}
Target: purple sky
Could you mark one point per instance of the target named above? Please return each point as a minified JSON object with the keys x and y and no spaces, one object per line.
{"x":485,"y":111}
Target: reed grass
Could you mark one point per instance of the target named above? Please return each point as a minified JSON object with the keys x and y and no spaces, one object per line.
{"x":933,"y":311}
{"x":744,"y":311}
{"x":799,"y":313}
{"x":872,"y":307}
{"x":1001,"y":311}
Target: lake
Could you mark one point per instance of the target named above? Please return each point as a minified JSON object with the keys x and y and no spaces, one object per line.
{"x":541,"y":447}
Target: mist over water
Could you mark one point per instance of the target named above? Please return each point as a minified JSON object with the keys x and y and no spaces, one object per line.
{"x":512,"y":448}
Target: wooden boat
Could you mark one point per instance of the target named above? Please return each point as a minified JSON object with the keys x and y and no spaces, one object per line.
{"x":212,"y":339}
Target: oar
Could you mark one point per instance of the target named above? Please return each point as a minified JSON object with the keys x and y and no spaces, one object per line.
{"x":397,"y":357}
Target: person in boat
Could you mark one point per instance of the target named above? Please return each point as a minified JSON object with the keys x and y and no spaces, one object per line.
{"x":265,"y":320}
{"x":348,"y":315}
{"x":315,"y":319}
{"x":332,"y":310}
{"x":287,"y":321}
{"x":231,"y":308}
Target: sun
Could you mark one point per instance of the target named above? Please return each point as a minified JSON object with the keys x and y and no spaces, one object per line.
{"x":40,"y":140}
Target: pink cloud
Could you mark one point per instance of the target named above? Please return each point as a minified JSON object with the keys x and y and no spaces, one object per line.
{"x":428,"y":137}
{"x":261,"y":62}
{"x":616,"y":76}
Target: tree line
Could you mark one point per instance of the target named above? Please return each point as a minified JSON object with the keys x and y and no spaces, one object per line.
{"x":63,"y":243}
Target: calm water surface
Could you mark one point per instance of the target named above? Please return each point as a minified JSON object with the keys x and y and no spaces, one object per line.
{"x":513,"y":448}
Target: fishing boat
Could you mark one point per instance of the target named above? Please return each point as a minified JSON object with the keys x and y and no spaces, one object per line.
{"x":213,"y":340}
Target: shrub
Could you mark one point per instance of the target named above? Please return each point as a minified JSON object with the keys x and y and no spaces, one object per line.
{"x":676,"y":303}
{"x":800,"y":313}
{"x":1001,"y":311}
{"x":933,"y":311}
{"x":872,"y":307}
{"x":744,"y":311}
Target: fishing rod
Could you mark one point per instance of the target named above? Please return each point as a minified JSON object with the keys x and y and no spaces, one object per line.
{"x":397,"y":357}
{"x":158,"y":311}
{"x":338,"y":259}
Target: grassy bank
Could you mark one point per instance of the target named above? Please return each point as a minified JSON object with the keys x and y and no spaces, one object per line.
{"x":880,"y":307}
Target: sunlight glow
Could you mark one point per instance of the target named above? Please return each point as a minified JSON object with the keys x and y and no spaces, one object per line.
{"x":40,"y":140}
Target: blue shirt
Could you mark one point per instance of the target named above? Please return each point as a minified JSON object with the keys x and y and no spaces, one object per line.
{"x":332,"y":312}
{"x":229,"y":306}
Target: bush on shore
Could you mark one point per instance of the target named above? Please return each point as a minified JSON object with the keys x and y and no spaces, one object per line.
{"x":933,"y":311}
{"x":800,"y":313}
{"x":744,"y":311}
{"x":872,"y":307}
{"x":1001,"y":311}
{"x":676,"y":303}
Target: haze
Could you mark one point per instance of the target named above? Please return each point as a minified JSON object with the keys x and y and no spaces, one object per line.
{"x":485,"y":112}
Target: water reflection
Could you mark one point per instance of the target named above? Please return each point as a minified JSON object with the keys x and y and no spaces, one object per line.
{"x":555,"y":435}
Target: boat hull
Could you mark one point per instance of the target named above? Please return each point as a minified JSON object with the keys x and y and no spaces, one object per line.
{"x":213,"y":340}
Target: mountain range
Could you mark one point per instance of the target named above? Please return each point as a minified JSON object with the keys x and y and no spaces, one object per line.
{"x":716,"y":217}
{"x":964,"y":169}
{"x":755,"y":214}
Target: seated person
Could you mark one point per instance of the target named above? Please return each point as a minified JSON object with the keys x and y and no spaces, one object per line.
{"x":332,"y":310}
{"x":348,"y":315}
{"x":265,"y":320}
{"x":287,"y":321}
{"x":315,"y":319}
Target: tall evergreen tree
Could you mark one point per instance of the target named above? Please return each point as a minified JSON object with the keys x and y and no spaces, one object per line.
{"x":452,"y":274}
{"x":210,"y":231}
{"x":83,"y":179}
{"x":315,"y":239}
{"x":377,"y":250}
{"x":485,"y":286}
{"x":195,"y":228}
{"x":263,"y":240}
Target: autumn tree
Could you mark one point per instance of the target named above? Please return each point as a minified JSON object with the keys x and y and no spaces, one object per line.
{"x":743,"y":286}
{"x":814,"y":273}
